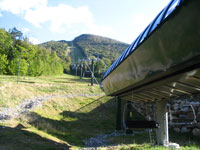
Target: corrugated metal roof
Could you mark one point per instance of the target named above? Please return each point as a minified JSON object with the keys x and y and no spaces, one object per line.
{"x":160,"y":18}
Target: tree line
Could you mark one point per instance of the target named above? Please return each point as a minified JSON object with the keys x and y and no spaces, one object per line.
{"x":18,"y":55}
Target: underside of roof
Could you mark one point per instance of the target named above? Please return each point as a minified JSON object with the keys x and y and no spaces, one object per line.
{"x":164,"y":61}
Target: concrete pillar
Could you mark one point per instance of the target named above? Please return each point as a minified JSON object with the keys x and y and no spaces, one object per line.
{"x":162,"y":118}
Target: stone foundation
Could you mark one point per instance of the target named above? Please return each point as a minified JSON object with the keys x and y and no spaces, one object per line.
{"x":179,"y":111}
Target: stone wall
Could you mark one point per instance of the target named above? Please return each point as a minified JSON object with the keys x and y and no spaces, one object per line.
{"x":179,"y":111}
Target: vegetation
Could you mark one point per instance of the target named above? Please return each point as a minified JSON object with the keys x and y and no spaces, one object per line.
{"x":19,"y":56}
{"x":62,"y":50}
{"x":66,"y":119}
{"x":103,"y":50}
{"x":64,"y":122}
{"x":100,"y":47}
{"x":14,"y":90}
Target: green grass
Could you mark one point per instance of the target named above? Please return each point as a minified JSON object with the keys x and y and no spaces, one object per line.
{"x":63,"y":122}
{"x":13,"y":92}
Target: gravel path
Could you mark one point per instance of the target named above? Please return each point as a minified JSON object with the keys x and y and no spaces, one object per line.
{"x":29,"y":104}
{"x":102,"y":140}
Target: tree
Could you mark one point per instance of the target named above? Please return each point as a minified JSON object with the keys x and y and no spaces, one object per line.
{"x":3,"y":63}
{"x":17,"y":35}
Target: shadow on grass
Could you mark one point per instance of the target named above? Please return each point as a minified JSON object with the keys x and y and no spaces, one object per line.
{"x":23,"y":81}
{"x":64,"y":81}
{"x":82,"y":124}
{"x":74,"y":127}
{"x":19,"y":139}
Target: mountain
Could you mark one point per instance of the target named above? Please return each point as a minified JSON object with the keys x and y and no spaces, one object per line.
{"x":100,"y":47}
{"x":87,"y":46}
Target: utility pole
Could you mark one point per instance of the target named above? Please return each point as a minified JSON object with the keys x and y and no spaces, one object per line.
{"x":92,"y":73}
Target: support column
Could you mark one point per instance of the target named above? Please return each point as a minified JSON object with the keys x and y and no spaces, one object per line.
{"x":162,"y":118}
{"x":118,"y":116}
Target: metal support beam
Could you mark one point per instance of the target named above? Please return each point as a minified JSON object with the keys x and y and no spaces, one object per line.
{"x":162,"y":118}
{"x":118,"y":116}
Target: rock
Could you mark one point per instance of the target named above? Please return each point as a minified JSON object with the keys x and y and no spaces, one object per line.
{"x":198,"y":125}
{"x":191,"y":125}
{"x":190,"y":115}
{"x":184,"y":130}
{"x":175,"y":106}
{"x":185,"y":109}
{"x":198,"y":116}
{"x":173,"y":146}
{"x":196,"y":132}
{"x":195,"y":103}
{"x":177,"y":130}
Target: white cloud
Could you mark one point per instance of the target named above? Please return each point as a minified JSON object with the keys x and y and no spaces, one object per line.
{"x":1,"y":15}
{"x":33,"y":40}
{"x":21,"y":6}
{"x":61,"y":18}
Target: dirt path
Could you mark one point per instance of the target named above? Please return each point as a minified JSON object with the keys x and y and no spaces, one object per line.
{"x":29,"y":104}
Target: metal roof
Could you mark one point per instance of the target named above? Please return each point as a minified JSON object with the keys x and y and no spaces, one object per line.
{"x":160,"y":18}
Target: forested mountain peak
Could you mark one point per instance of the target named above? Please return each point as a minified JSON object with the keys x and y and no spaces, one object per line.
{"x":96,"y":39}
{"x":87,"y":46}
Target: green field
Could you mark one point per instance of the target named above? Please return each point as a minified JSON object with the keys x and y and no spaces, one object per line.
{"x":65,"y":122}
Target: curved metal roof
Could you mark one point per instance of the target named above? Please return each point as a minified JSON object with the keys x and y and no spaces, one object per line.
{"x":160,"y":18}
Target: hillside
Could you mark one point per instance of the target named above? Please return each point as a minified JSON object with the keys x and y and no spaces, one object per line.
{"x":62,"y":49}
{"x":87,"y":46}
{"x":100,"y":47}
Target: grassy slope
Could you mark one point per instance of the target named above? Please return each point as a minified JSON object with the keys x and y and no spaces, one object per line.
{"x":13,"y":92}
{"x":76,"y":54}
{"x":63,"y":122}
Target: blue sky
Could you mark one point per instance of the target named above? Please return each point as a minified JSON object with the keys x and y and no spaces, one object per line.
{"x":45,"y":20}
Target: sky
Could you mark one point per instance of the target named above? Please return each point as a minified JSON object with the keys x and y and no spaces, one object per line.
{"x":46,"y":20}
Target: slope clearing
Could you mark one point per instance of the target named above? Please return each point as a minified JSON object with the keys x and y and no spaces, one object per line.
{"x":67,"y":122}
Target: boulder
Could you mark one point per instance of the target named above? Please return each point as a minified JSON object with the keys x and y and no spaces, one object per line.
{"x":198,"y":125}
{"x":196,"y":132}
{"x":175,"y":107}
{"x":184,"y":130}
{"x":198,"y":116}
{"x":177,"y":130}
